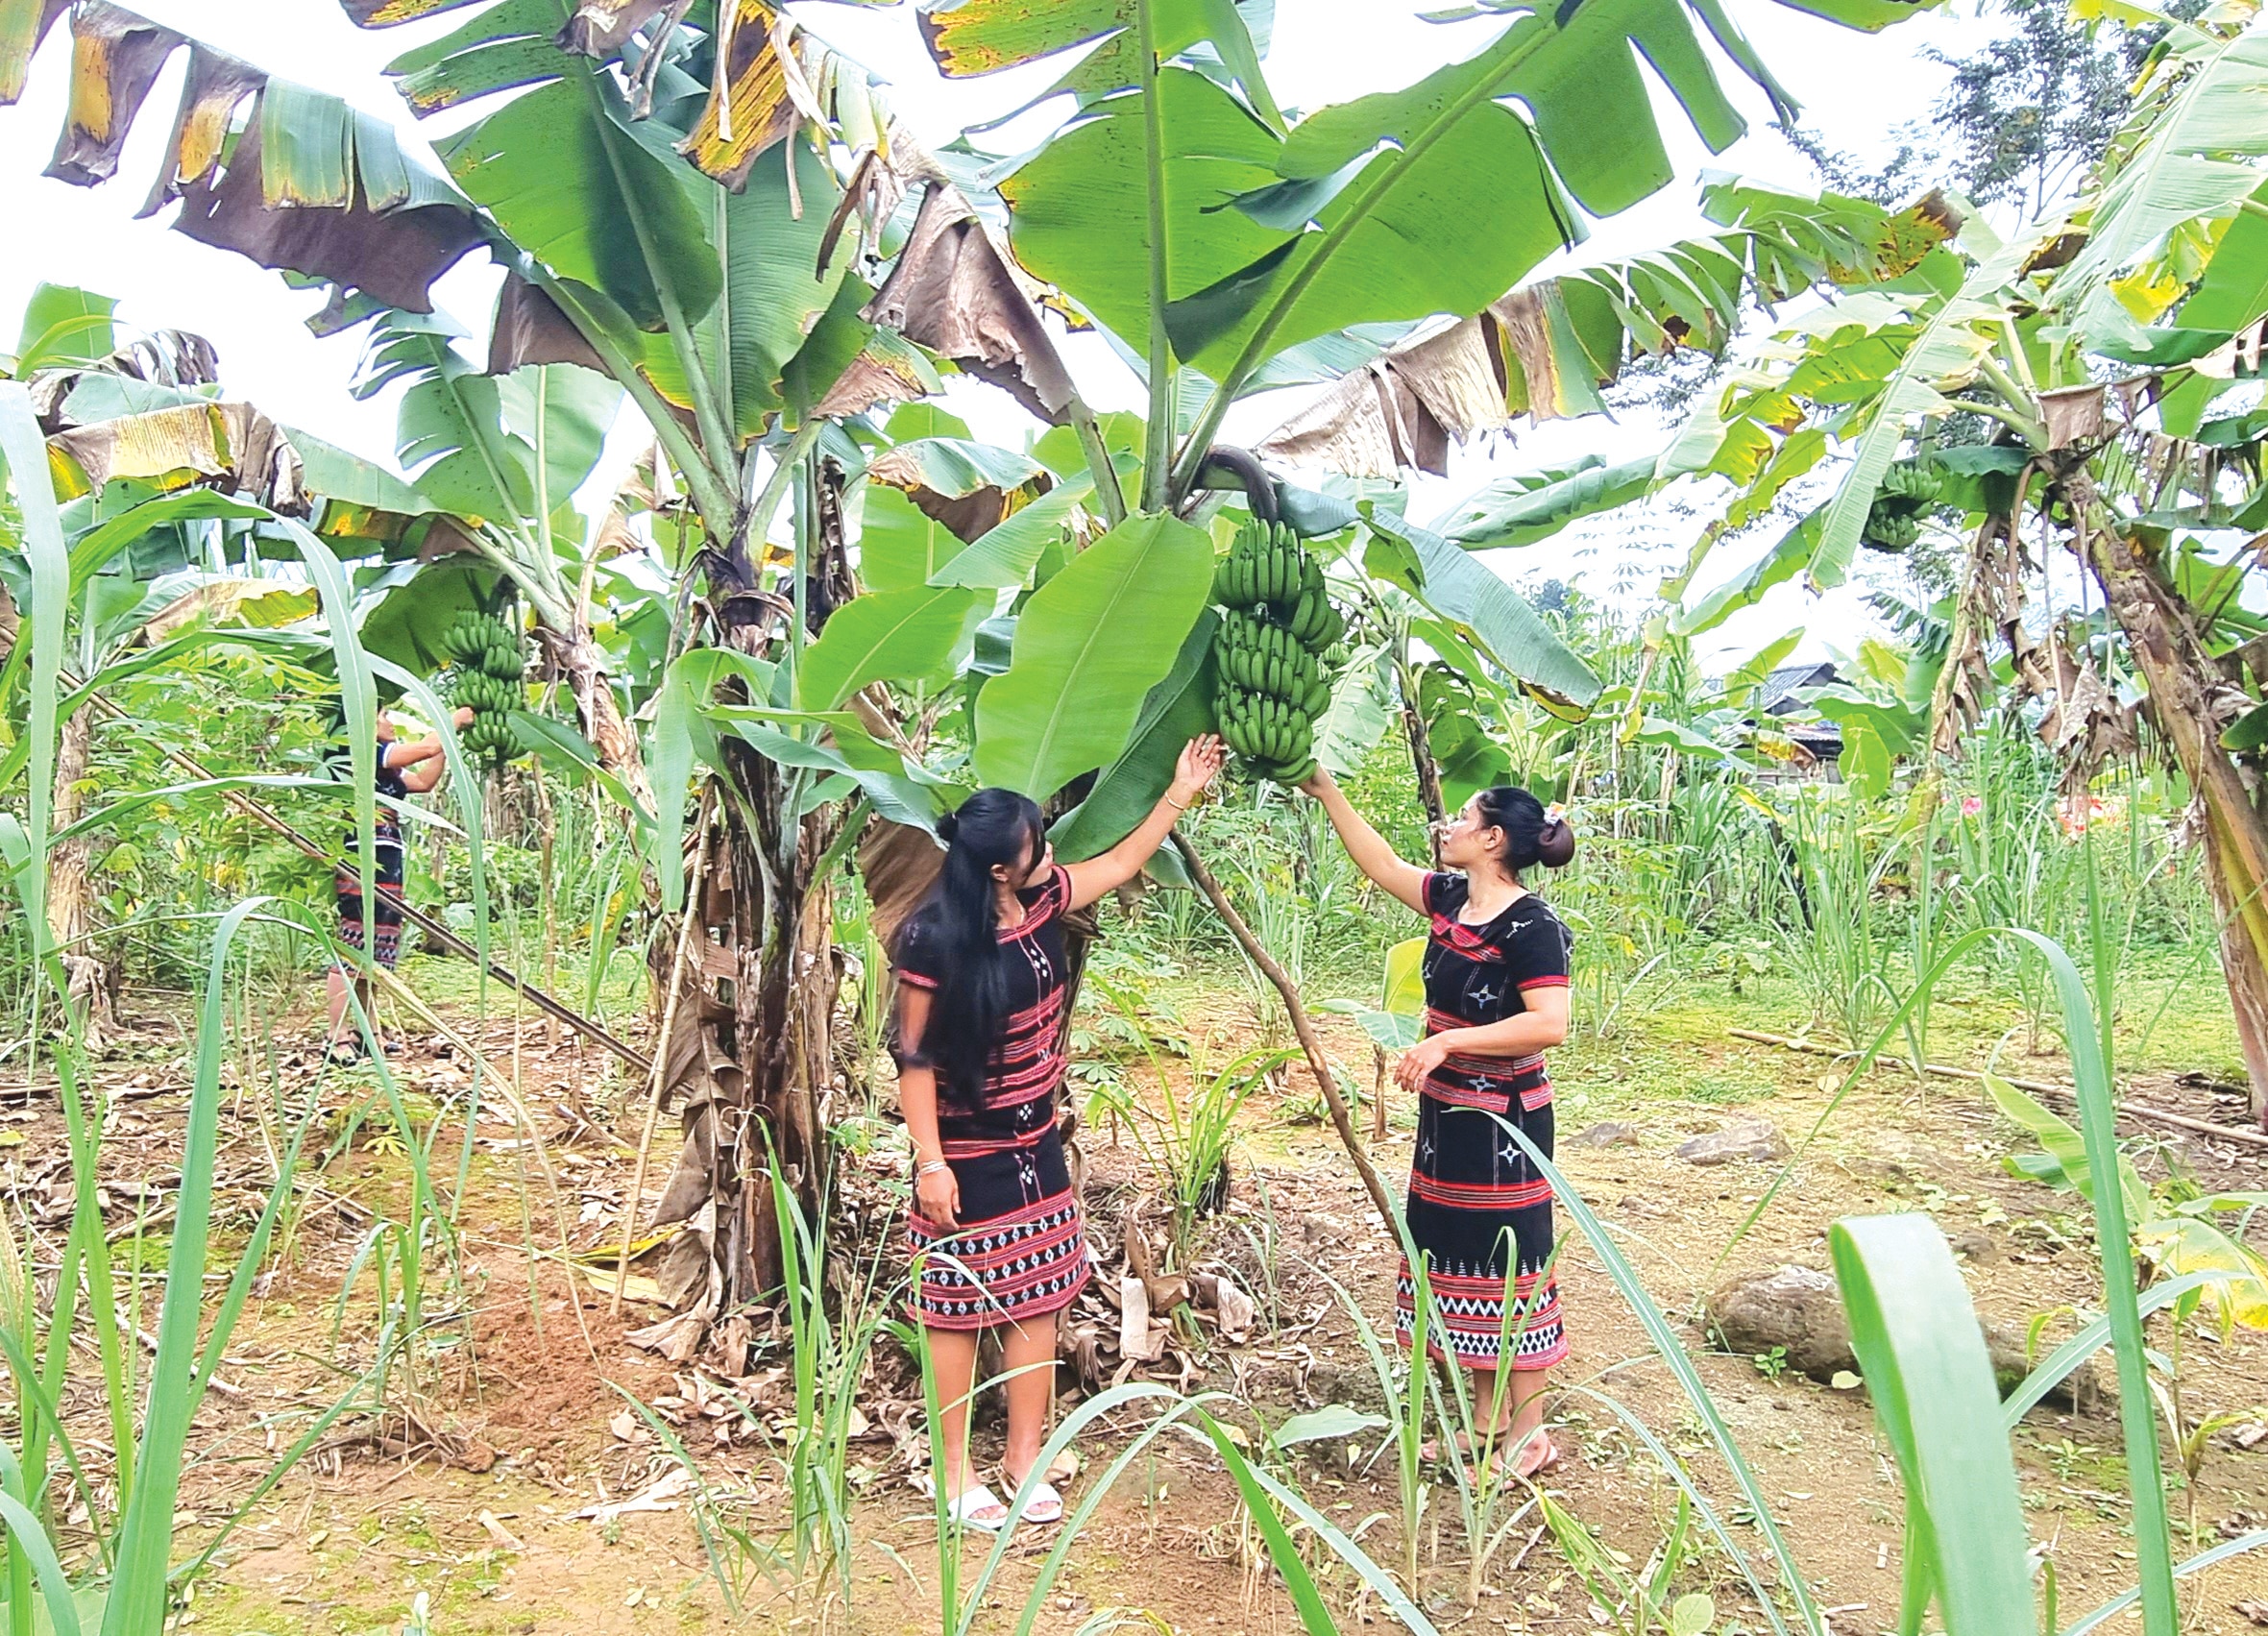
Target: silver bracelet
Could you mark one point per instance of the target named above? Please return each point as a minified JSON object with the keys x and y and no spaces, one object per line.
{"x":930,"y":1167}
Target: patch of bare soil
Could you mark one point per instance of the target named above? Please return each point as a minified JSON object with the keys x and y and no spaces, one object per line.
{"x":510,"y":1486}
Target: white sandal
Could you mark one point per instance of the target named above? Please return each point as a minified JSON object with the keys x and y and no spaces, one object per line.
{"x":962,"y":1510}
{"x":1044,"y":1505}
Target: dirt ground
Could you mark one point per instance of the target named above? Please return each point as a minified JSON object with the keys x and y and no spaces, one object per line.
{"x":491,"y":1494}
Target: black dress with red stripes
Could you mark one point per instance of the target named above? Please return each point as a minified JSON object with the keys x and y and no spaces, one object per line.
{"x":1020,"y":1251}
{"x":386,"y":914}
{"x":1478,"y":1210}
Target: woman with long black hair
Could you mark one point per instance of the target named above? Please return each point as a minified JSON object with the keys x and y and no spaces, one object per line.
{"x":1496,"y":997}
{"x":996,"y":1231}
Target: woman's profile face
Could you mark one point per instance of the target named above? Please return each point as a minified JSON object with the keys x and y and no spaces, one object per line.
{"x":1043,"y":860}
{"x":1469,"y":838}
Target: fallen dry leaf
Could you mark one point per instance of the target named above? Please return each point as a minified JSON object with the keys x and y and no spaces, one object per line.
{"x":660,"y":1495}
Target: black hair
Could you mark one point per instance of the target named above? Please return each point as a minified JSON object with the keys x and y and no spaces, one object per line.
{"x":1532,"y":836}
{"x":960,"y":919}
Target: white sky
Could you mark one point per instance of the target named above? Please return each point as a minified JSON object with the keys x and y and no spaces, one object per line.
{"x":1856,"y":90}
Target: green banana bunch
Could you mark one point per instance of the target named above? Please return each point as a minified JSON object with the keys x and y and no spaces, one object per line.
{"x":1270,"y":653}
{"x":1266,"y":566}
{"x":1890,"y":529}
{"x":1908,"y":488}
{"x":1918,"y":480}
{"x":486,"y":662}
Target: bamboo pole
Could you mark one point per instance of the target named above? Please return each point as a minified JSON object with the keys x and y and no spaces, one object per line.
{"x":2038,"y":1087}
{"x":1301,"y":1025}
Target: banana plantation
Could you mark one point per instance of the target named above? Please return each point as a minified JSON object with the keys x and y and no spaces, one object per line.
{"x":867,"y":941}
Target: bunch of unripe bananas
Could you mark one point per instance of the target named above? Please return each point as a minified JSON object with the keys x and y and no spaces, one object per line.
{"x":1909,"y":489}
{"x":485,"y":651}
{"x":1270,"y":651}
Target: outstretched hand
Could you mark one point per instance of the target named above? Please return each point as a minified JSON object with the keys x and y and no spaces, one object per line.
{"x":1316,"y":782}
{"x":1200,"y":761}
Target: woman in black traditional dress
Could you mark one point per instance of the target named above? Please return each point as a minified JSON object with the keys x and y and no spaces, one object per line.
{"x":1496,"y":997}
{"x":996,"y":1231}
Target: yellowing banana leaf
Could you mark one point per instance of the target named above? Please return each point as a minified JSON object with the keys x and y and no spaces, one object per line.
{"x":168,"y":448}
{"x":311,"y":185}
{"x":115,"y":57}
{"x":634,"y":1286}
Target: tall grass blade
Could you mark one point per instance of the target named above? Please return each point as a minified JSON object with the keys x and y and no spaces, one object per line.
{"x":1924,"y":1361}
{"x":26,"y":454}
{"x":1342,"y":1545}
{"x":2113,"y":1237}
{"x":2090,"y":1077}
{"x":2057,"y":1366}
{"x":1675,"y":1467}
{"x":1075,"y":1517}
{"x":145,"y":1535}
{"x":357,"y":703}
{"x":25,"y":1534}
{"x":1306,"y":1596}
{"x":1656,"y":1325}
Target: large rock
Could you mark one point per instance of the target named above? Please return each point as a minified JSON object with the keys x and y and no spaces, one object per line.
{"x":1607,"y":1135}
{"x":1799,"y":1308}
{"x":1795,"y":1308}
{"x":1752,"y":1140}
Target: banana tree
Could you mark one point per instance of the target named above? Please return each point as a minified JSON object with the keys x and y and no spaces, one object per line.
{"x":1544,"y":350}
{"x":2058,"y":389}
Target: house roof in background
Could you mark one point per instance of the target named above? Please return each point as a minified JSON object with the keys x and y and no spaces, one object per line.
{"x":1777,"y":696}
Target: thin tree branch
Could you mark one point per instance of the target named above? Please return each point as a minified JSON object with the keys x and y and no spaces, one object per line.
{"x":1301,"y":1025}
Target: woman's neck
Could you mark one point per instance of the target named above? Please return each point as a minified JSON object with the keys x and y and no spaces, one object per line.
{"x":1491,"y":888}
{"x":1009,"y":905}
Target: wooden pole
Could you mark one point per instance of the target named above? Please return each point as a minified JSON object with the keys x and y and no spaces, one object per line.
{"x":2038,"y":1087}
{"x":1301,"y":1025}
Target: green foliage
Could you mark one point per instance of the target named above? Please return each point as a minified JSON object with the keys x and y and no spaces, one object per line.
{"x":1089,"y":646}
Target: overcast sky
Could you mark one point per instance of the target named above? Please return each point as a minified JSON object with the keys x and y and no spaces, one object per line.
{"x":1856,"y":90}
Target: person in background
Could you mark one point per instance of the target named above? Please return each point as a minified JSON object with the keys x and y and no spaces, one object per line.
{"x":404,"y":770}
{"x":995,"y":1230}
{"x":1495,"y":976}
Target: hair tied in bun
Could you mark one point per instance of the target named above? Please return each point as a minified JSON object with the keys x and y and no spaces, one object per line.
{"x":1555,"y":842}
{"x":948,"y":827}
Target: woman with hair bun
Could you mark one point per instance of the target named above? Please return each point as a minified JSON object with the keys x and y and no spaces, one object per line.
{"x":1496,"y":997}
{"x":978,"y":1040}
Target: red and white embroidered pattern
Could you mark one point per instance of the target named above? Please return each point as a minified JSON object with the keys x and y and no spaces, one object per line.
{"x":1001,"y":1271}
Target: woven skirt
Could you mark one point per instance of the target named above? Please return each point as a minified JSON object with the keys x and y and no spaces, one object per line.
{"x":1481,"y":1215}
{"x":1020,"y":1251}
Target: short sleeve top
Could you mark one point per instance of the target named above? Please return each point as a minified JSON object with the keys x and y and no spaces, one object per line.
{"x":1017,"y":1102}
{"x":1479,"y":974}
{"x":386,"y":828}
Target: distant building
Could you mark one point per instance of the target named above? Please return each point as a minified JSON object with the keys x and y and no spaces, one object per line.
{"x":1818,"y":744}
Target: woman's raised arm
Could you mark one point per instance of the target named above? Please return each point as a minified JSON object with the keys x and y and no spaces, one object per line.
{"x":1201,"y":759}
{"x":1366,"y":845}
